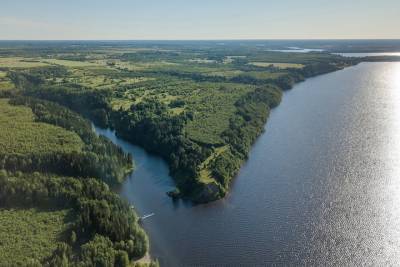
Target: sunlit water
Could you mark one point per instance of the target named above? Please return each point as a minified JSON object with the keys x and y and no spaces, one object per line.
{"x":297,"y":50}
{"x":321,"y":186}
{"x":368,"y":54}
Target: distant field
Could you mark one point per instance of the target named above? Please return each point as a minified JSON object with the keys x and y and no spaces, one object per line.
{"x":264,"y":75}
{"x":68,"y":63}
{"x":5,"y":83}
{"x":20,"y":134}
{"x":99,"y":78}
{"x":292,"y":58}
{"x":138,"y":66}
{"x":226,"y":73}
{"x":19,"y":62}
{"x":30,"y":233}
{"x":204,"y":61}
{"x":278,"y":65}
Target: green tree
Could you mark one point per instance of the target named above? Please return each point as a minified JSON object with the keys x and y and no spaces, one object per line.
{"x":121,"y":259}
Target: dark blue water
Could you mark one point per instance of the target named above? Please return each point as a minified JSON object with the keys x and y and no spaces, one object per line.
{"x":321,"y":186}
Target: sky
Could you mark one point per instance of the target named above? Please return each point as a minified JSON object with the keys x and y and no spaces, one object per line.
{"x":198,"y":19}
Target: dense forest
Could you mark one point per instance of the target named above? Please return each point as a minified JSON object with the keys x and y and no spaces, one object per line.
{"x":69,"y":184}
{"x":102,"y":232}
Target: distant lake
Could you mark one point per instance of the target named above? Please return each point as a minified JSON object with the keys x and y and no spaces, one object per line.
{"x":321,"y":186}
{"x":297,"y":50}
{"x":368,"y":54}
{"x":306,"y":50}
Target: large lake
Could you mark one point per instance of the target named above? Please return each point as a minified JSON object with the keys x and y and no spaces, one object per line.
{"x":321,"y":186}
{"x":368,"y":54}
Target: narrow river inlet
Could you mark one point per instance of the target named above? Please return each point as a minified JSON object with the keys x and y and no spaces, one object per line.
{"x":321,"y":185}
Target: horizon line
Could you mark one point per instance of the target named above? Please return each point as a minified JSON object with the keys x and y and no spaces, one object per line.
{"x":233,"y":39}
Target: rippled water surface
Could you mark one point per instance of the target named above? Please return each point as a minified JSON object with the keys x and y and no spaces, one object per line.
{"x":321,"y":186}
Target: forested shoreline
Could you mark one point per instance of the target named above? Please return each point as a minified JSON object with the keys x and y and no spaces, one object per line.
{"x":198,"y":107}
{"x":151,"y":125}
{"x":100,"y":229}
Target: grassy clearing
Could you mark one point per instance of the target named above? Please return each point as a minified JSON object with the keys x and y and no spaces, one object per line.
{"x":27,"y":234}
{"x":205,"y":172}
{"x":119,"y":103}
{"x":5,"y":82}
{"x":202,"y":61}
{"x":6,"y":85}
{"x":99,"y":78}
{"x":68,"y":63}
{"x":213,"y":105}
{"x":20,"y":62}
{"x":264,"y":75}
{"x":278,"y":65}
{"x":20,"y":134}
{"x":230,"y":59}
{"x":292,"y":58}
{"x":140,"y":66}
{"x":227,"y":73}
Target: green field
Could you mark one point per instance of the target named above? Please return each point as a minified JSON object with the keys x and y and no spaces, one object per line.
{"x":278,"y":65}
{"x":20,"y":62}
{"x":68,"y":63}
{"x":213,"y":106}
{"x":5,"y":82}
{"x":21,"y":134}
{"x":27,"y":234}
{"x":206,"y":176}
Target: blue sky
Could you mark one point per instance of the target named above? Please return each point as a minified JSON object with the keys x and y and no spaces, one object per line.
{"x":199,"y":19}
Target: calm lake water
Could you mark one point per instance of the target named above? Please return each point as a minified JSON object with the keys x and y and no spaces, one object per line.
{"x":297,"y":50}
{"x":368,"y":54}
{"x":321,"y":186}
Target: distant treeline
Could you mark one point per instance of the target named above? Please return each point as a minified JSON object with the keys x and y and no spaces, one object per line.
{"x":284,"y":82}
